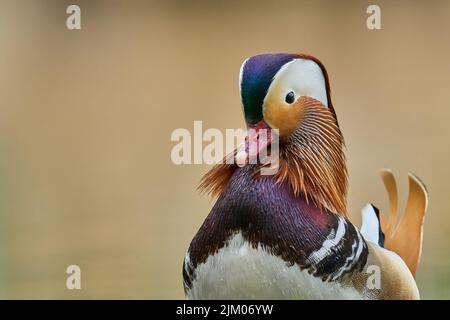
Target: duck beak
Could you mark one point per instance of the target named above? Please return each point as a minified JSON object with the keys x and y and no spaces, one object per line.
{"x":259,"y":137}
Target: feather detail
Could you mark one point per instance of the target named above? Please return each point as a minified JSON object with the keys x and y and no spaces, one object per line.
{"x":404,"y":237}
{"x":371,"y":225}
{"x":215,"y":180}
{"x":312,"y":161}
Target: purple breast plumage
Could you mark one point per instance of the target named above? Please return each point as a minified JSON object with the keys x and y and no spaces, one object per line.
{"x":269,"y":215}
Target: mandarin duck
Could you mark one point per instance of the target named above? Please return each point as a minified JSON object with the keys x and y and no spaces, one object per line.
{"x":287,"y":235}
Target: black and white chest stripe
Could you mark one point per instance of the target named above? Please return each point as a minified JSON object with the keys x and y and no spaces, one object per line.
{"x":343,"y":252}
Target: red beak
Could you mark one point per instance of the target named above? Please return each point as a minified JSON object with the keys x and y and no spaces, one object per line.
{"x":259,"y":137}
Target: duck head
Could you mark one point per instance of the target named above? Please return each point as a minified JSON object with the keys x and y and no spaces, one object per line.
{"x":291,"y":93}
{"x":276,"y":87}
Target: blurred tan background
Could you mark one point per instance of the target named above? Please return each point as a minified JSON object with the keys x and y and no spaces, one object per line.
{"x":86,"y":117}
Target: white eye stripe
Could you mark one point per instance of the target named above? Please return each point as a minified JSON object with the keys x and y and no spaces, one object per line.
{"x":302,"y":76}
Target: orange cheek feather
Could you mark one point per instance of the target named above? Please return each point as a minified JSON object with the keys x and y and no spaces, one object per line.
{"x":283,"y":117}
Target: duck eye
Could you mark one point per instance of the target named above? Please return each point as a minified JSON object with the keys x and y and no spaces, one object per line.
{"x":290,"y":97}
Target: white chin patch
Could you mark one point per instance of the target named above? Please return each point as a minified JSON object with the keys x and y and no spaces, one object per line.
{"x":304,"y":77}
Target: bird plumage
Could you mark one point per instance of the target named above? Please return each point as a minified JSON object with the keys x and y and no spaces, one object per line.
{"x":404,"y":235}
{"x":287,"y":235}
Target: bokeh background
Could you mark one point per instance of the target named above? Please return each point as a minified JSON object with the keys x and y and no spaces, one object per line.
{"x":86,"y":117}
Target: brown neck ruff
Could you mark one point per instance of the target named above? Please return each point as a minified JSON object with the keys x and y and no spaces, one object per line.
{"x":312,"y":161}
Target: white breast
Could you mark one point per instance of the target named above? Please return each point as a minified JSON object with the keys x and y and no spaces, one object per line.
{"x":239,"y":271}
